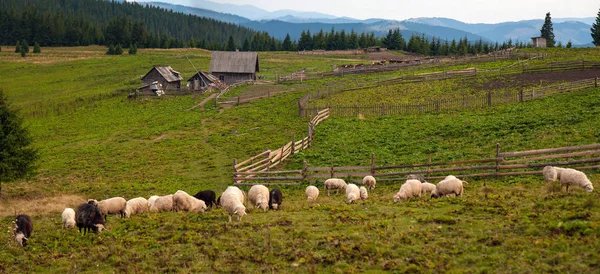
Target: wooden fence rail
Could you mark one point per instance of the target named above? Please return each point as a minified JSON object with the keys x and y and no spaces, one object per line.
{"x":529,"y":162}
{"x":263,"y":162}
{"x":491,"y":98}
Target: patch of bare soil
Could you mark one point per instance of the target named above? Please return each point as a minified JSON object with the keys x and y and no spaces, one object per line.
{"x":39,"y":206}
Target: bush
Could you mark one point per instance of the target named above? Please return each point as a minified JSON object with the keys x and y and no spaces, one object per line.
{"x":132,"y":49}
{"x":36,"y":48}
{"x":118,"y":50}
{"x":111,"y":50}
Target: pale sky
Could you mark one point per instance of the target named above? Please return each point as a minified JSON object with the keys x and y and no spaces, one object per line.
{"x":469,"y":11}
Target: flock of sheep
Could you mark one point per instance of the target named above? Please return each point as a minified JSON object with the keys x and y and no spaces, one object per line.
{"x":91,"y":216}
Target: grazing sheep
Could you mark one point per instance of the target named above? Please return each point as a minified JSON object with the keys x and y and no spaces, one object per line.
{"x":185,"y":202}
{"x":135,"y":206}
{"x":68,"y":218}
{"x":363,"y":193}
{"x":23,"y":226}
{"x":110,"y":206}
{"x":416,"y":177}
{"x":162,"y":204}
{"x":238,"y":191}
{"x":352,"y":193}
{"x":208,"y":196}
{"x":231,"y":202}
{"x":275,"y":198}
{"x":411,"y":188}
{"x":370,"y":182}
{"x":89,"y":217}
{"x":568,"y":177}
{"x":336,"y":184}
{"x":258,"y":197}
{"x":151,"y":202}
{"x":449,"y":186}
{"x":427,"y":187}
{"x":312,"y":193}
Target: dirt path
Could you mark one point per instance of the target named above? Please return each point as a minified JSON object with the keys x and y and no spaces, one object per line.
{"x":39,"y":206}
{"x":201,"y":105}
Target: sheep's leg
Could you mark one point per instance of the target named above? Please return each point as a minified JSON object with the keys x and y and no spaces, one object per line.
{"x":567,"y":185}
{"x":240,"y":218}
{"x":230,"y":218}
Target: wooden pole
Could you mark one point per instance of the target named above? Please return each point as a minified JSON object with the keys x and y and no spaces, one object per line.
{"x":429,"y":166}
{"x":372,"y":164}
{"x":331,"y":172}
{"x":497,"y":159}
{"x":234,"y":169}
{"x":596,"y":82}
{"x":293,"y":144}
{"x":304,"y":170}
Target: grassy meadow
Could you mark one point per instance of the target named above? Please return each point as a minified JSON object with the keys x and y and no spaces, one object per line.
{"x":104,"y":145}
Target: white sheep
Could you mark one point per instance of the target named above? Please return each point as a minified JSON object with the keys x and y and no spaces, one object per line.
{"x":369,"y":182}
{"x":68,"y":218}
{"x":568,"y":177}
{"x":162,"y":204}
{"x":411,"y":188}
{"x":334,"y":183}
{"x":312,"y":193}
{"x":427,"y":187}
{"x":231,"y":202}
{"x":135,"y":206}
{"x":258,"y":196}
{"x":352,"y":193}
{"x":110,"y":206}
{"x":448,"y":187}
{"x":151,"y":202}
{"x":363,"y":193}
{"x":238,"y":191}
{"x":185,"y":202}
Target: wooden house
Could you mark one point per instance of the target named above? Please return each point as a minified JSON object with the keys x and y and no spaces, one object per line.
{"x":202,"y":80}
{"x":234,"y":67}
{"x":538,"y":42}
{"x":164,"y":75}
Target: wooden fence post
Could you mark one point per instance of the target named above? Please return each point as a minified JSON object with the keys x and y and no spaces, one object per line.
{"x":304,"y":170}
{"x":489,"y":101}
{"x":596,"y":82}
{"x":331,"y":171}
{"x":372,"y":164}
{"x":497,"y":160}
{"x":238,"y":100}
{"x":234,"y":169}
{"x":521,"y":95}
{"x":293,"y":144}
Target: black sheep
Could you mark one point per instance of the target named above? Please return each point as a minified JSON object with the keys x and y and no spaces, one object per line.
{"x":208,"y":196}
{"x":275,"y":197}
{"x":22,"y":229}
{"x":88,"y":217}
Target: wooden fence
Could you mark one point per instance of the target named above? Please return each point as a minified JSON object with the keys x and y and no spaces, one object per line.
{"x":264,"y":161}
{"x":529,"y":162}
{"x":491,"y":98}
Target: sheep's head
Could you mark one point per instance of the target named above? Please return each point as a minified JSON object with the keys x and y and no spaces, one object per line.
{"x":93,"y":202}
{"x":550,"y":173}
{"x":240,"y":211}
{"x":435,"y":194}
{"x":589,"y":188}
{"x":275,"y":206}
{"x":21,"y":240}
{"x":399,"y":196}
{"x":100,"y":227}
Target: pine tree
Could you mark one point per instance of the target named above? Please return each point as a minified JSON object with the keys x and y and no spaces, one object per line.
{"x":230,"y":44}
{"x":111,"y":50}
{"x":132,"y":49}
{"x":118,"y":50}
{"x":17,"y":157}
{"x":246,"y":45}
{"x":569,"y":44}
{"x":23,"y":52}
{"x":18,"y":47}
{"x":24,"y":46}
{"x":547,"y":31}
{"x":287,"y":43}
{"x":36,"y":48}
{"x":596,"y":31}
{"x":192,"y":43}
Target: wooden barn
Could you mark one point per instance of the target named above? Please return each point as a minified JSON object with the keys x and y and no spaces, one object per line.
{"x":234,"y":67}
{"x":202,"y":80}
{"x":538,"y":42}
{"x":165,"y":75}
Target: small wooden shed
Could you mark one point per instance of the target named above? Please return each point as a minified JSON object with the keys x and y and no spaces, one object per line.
{"x":233,"y":67}
{"x":165,"y":75}
{"x":538,"y":42}
{"x":202,"y":80}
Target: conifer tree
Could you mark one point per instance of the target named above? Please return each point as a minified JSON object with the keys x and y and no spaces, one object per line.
{"x":569,"y":44}
{"x":246,"y":45}
{"x":596,"y":31}
{"x":17,"y":157}
{"x":287,"y":43}
{"x":24,"y":46}
{"x":230,"y":44}
{"x":111,"y":50}
{"x":132,"y":49}
{"x":118,"y":50}
{"x":547,"y":31}
{"x":18,"y":47}
{"x":36,"y":48}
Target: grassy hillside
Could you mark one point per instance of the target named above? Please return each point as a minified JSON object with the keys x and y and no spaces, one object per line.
{"x":114,"y":147}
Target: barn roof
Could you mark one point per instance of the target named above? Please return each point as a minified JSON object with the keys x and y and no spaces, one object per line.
{"x":235,"y":62}
{"x":168,"y":73}
{"x":208,"y":76}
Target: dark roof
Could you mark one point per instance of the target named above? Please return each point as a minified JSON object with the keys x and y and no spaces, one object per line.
{"x":235,"y":62}
{"x":208,"y":76}
{"x":168,"y":73}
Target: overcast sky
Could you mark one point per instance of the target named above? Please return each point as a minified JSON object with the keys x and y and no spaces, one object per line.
{"x":469,"y":11}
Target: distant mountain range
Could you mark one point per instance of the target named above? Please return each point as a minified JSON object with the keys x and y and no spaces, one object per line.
{"x":281,"y":22}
